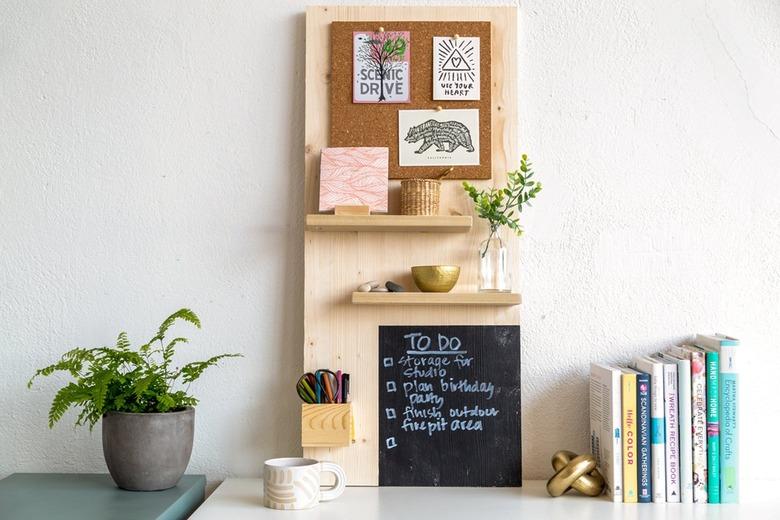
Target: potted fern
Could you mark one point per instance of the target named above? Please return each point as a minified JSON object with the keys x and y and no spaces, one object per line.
{"x":148,"y":424}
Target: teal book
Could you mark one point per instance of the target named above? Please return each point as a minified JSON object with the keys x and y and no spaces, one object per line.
{"x":712,"y":370}
{"x":728,"y":429}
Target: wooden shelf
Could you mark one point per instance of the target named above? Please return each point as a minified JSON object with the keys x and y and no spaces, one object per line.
{"x":421,"y":298}
{"x":403,"y":223}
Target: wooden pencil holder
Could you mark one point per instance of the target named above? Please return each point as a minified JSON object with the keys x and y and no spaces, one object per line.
{"x":326,"y":425}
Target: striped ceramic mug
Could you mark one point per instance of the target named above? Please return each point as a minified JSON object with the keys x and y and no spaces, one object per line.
{"x":294,"y":483}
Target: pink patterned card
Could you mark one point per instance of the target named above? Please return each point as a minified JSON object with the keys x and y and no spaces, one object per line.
{"x":354,"y":177}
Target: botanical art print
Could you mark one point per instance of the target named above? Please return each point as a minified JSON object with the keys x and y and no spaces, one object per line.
{"x":455,"y":68}
{"x":438,"y":138}
{"x":380,"y":67}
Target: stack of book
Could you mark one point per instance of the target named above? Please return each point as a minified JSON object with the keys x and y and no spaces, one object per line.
{"x":663,"y":427}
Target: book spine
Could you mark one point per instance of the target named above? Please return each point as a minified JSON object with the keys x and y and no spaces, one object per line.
{"x":699,"y":419}
{"x":605,"y":417}
{"x":615,"y":434}
{"x":686,"y":430}
{"x":597,"y":391}
{"x":643,"y":438}
{"x":713,"y":429}
{"x":729,"y":457}
{"x":672,"y":434}
{"x":658,"y":433}
{"x":628,"y":384}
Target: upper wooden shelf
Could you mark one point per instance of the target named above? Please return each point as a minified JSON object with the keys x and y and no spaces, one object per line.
{"x":403,"y":223}
{"x":431,"y":298}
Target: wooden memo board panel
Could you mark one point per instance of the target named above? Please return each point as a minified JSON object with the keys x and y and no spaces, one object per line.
{"x":376,"y":124}
{"x":340,"y":335}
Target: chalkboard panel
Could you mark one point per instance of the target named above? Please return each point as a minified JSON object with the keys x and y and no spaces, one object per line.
{"x":449,"y":406}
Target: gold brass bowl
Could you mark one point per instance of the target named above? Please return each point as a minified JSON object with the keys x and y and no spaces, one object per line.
{"x":435,"y":278}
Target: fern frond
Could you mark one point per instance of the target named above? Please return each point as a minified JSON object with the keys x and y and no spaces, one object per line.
{"x":79,"y":354}
{"x":192,"y":371}
{"x":119,"y":357}
{"x":100,"y":390}
{"x":183,"y":400}
{"x":169,"y":348}
{"x":142,"y":384}
{"x":71,"y":362}
{"x":82,"y":418}
{"x":181,"y":314}
{"x":122,"y":342}
{"x":165,"y":403}
{"x":66,"y":397}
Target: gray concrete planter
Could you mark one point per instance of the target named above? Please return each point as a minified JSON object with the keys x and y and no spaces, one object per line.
{"x":148,"y":451}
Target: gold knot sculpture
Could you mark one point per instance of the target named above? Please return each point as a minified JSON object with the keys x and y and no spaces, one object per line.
{"x":573,"y":471}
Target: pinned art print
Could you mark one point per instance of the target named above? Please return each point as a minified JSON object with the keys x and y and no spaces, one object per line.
{"x":456,"y":68}
{"x":354,"y":177}
{"x":438,"y":137}
{"x":380,"y":67}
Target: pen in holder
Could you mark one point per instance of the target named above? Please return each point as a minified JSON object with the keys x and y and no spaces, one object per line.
{"x":326,"y":414}
{"x":323,"y":387}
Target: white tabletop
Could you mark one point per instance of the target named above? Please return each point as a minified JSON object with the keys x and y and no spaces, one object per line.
{"x":241,"y":498}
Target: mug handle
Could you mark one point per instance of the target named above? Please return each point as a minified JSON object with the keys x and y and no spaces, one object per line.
{"x":341,"y":481}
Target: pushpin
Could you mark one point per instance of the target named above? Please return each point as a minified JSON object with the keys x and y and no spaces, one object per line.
{"x":456,"y":37}
{"x":438,"y":108}
{"x":381,"y":29}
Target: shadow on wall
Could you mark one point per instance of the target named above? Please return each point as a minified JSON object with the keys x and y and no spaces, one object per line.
{"x":562,"y":414}
{"x":273,"y":426}
{"x":293,"y":287}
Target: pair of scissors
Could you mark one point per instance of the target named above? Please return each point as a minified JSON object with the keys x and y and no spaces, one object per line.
{"x":320,"y":387}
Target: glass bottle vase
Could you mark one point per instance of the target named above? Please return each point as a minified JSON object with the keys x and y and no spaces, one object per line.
{"x":494,"y":275}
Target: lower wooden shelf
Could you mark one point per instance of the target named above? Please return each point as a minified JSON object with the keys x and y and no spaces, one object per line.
{"x":451,"y":298}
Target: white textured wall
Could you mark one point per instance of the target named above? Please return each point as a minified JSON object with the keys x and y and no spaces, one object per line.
{"x":151,"y":158}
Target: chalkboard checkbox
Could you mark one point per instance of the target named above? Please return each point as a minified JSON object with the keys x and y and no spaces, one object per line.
{"x":391,"y":386}
{"x":388,"y":361}
{"x":391,"y":443}
{"x":390,"y":413}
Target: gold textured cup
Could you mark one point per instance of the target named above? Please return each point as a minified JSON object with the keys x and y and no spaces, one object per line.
{"x":435,"y":278}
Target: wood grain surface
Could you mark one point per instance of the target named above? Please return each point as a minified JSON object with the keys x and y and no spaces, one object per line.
{"x":340,"y":335}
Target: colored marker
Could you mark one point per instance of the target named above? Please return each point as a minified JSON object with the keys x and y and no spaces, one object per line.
{"x":339,"y":382}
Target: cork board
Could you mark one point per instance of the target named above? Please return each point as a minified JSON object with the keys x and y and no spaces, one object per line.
{"x":376,"y":124}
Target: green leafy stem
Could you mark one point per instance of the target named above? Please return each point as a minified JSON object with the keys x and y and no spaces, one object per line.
{"x":502,"y":206}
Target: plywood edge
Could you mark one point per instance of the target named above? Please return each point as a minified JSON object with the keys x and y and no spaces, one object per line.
{"x":415,"y":223}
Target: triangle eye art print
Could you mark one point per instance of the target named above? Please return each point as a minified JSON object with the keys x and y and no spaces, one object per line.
{"x":456,"y":68}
